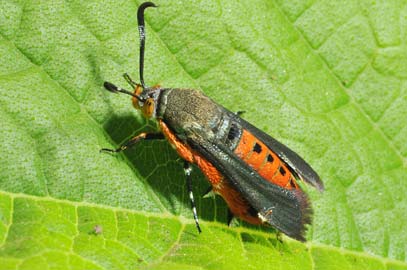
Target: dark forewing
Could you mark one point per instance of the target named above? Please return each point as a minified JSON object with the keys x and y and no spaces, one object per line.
{"x":296,"y":164}
{"x":286,"y":210}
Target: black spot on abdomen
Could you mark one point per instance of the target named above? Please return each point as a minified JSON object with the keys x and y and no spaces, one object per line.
{"x":282,"y":171}
{"x":257,"y":148}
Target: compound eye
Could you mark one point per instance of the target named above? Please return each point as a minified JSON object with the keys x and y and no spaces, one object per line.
{"x":148,"y":107}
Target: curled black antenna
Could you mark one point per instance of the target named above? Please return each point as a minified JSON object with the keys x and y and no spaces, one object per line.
{"x":141,"y":30}
{"x":114,"y":89}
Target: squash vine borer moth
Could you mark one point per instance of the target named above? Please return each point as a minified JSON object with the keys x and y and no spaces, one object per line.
{"x":254,"y":173}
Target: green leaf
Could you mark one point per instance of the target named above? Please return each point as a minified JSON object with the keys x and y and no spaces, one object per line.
{"x":326,"y":78}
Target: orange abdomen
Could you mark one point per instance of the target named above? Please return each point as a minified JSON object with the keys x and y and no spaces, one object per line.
{"x":257,"y":155}
{"x":254,"y":153}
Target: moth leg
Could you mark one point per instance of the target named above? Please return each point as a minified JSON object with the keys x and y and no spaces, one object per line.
{"x":187,"y":170}
{"x":230,"y":218}
{"x":133,"y":84}
{"x":130,"y":81}
{"x":239,"y":113}
{"x":134,"y":140}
